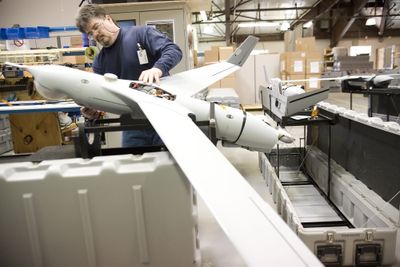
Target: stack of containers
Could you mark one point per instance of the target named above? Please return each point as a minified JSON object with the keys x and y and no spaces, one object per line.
{"x":293,"y":66}
{"x":313,"y":62}
{"x":24,"y":33}
{"x":304,"y":63}
{"x":313,"y":70}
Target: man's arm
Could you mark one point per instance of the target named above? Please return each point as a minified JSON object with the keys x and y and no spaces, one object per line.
{"x":161,"y":47}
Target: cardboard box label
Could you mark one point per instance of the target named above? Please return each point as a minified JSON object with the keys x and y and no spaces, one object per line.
{"x":314,"y":67}
{"x":298,"y":66}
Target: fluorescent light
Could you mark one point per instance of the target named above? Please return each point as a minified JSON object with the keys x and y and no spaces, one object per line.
{"x":203,"y":15}
{"x":285,"y":26}
{"x":257,"y":24}
{"x":370,"y":22}
{"x":308,"y":24}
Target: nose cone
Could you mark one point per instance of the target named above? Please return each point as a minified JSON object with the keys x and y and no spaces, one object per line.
{"x":285,"y":136}
{"x":44,"y":80}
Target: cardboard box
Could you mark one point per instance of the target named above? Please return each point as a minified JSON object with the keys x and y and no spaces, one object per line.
{"x":228,"y":82}
{"x":282,"y":60}
{"x":76,"y":41}
{"x":297,"y":77}
{"x":313,"y":82}
{"x":211,"y":56}
{"x":313,"y":62}
{"x":225,"y":52}
{"x":293,"y":62}
{"x":305,"y":44}
{"x":74,"y":59}
{"x":380,"y":58}
{"x":214,"y":48}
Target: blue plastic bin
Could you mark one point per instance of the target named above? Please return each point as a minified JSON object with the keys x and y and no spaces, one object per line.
{"x":43,"y":32}
{"x":15,"y":33}
{"x":3,"y":35}
{"x":36,"y":32}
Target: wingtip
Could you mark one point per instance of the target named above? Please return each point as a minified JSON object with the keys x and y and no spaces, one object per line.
{"x":241,"y":54}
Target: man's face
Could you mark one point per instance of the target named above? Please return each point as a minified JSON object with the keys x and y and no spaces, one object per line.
{"x":103,"y":31}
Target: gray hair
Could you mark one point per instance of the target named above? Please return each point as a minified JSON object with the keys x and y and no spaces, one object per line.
{"x":86,"y":13}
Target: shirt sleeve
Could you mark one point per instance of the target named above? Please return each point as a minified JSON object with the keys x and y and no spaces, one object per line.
{"x":96,"y":65}
{"x":167,"y":53}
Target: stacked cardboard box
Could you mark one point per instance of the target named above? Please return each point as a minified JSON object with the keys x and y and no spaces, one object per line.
{"x":76,"y":41}
{"x":313,"y":70}
{"x":380,"y":58}
{"x":293,"y":66}
{"x":302,"y":64}
{"x":76,"y":60}
{"x":293,"y":63}
{"x":217,"y":54}
{"x":224,"y":54}
{"x":306,"y":44}
{"x":387,"y":57}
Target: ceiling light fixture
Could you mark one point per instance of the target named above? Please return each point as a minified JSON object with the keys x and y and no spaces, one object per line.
{"x":370,"y":22}
{"x":203,"y":15}
{"x":257,"y":24}
{"x":285,"y":26}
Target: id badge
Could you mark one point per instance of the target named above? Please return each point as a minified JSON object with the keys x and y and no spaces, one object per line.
{"x":142,"y":55}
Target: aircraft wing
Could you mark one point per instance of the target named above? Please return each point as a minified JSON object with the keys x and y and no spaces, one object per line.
{"x":257,"y":232}
{"x":190,"y":82}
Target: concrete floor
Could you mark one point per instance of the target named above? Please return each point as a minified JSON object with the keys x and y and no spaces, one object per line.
{"x":216,"y":249}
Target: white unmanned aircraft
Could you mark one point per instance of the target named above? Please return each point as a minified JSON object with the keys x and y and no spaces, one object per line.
{"x":258,"y":233}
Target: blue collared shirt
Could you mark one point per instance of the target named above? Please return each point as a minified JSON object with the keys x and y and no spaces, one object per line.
{"x":122,"y":59}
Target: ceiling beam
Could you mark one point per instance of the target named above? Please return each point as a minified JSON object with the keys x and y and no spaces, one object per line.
{"x":317,"y":10}
{"x":358,"y":32}
{"x":228,"y":22}
{"x":261,"y":9}
{"x":385,"y":11}
{"x":344,"y":23}
{"x":266,"y":37}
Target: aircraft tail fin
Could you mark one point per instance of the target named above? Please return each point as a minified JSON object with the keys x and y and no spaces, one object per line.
{"x":243,"y":51}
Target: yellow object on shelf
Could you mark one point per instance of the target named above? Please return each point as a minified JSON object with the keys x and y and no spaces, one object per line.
{"x":91,"y":52}
{"x":314,"y":113}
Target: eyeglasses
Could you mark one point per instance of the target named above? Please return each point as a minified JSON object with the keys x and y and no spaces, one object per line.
{"x":97,"y":26}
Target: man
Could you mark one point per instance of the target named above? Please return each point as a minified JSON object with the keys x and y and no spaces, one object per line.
{"x":132,"y":53}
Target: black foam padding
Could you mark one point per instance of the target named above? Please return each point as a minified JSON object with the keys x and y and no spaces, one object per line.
{"x":370,"y":154}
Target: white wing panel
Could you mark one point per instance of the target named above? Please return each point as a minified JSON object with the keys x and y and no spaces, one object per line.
{"x":258,"y":233}
{"x":193,"y":81}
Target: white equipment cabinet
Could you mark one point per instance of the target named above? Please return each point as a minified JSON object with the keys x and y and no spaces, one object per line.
{"x":108,"y":211}
{"x":258,"y":70}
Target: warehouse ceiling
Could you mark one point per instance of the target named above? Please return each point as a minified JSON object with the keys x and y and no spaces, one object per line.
{"x":330,"y":19}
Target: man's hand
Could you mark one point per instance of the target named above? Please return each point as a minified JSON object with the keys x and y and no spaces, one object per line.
{"x":150,"y":76}
{"x":90,"y":113}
